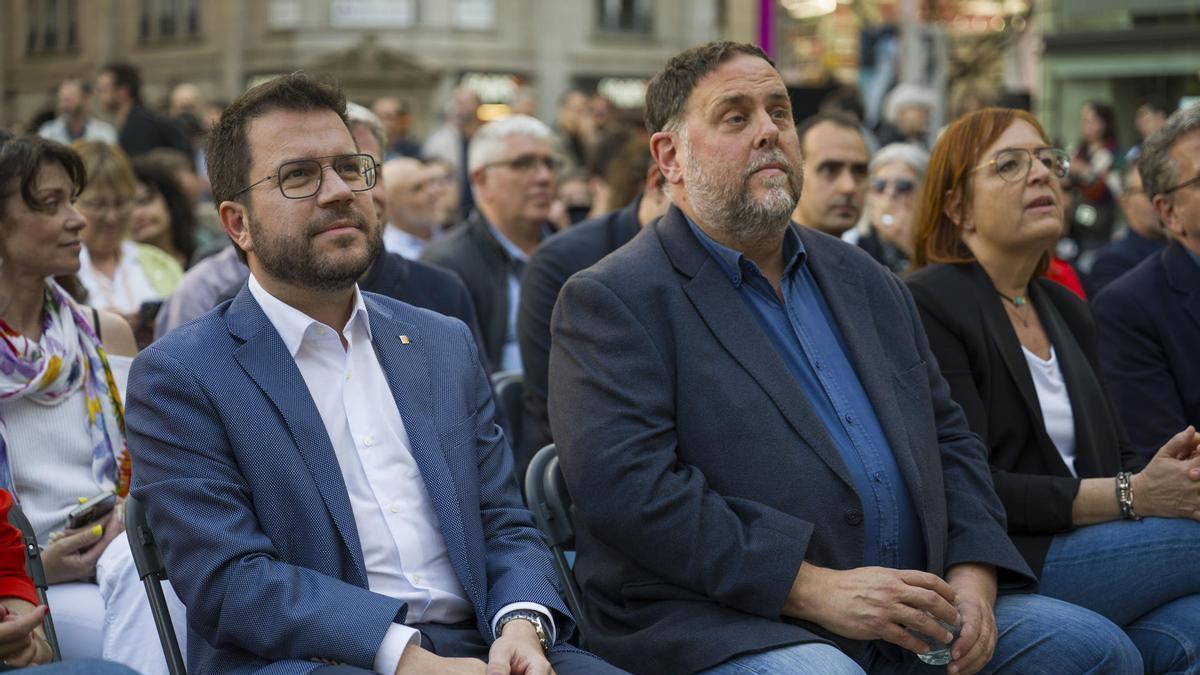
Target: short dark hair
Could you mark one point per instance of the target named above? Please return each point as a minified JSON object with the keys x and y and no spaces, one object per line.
{"x":1155,"y":104}
{"x":229,"y":146}
{"x":668,"y":91}
{"x":160,"y":178}
{"x":125,"y":75}
{"x":626,"y":173}
{"x":21,"y":157}
{"x":838,"y":118}
{"x":228,"y":149}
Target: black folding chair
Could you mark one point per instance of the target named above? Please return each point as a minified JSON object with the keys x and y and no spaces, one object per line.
{"x":509,"y":386}
{"x":153,"y":572}
{"x":33,"y":565}
{"x":547,"y":496}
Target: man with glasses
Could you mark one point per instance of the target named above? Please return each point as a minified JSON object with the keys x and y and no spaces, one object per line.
{"x":835,"y":173}
{"x":1149,"y":319}
{"x":320,"y":465}
{"x":1143,"y":237}
{"x":512,"y":169}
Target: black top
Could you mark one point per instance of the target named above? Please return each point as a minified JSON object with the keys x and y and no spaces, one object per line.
{"x":144,"y":131}
{"x":981,"y":358}
{"x":560,"y":256}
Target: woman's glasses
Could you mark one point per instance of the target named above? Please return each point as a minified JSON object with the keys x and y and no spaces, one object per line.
{"x":1013,"y":164}
{"x":901,"y":187}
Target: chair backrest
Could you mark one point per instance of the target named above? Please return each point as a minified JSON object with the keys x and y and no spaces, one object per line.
{"x":33,"y":566}
{"x":547,"y":496}
{"x":509,"y":386}
{"x":153,"y":572}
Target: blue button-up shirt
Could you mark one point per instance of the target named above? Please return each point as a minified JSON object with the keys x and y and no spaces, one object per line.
{"x":804,"y":333}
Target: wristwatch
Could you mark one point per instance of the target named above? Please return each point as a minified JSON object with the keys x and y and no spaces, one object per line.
{"x":538,"y":621}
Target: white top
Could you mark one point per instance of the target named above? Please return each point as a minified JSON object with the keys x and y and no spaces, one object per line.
{"x":403,"y":549}
{"x":1056,"y":404}
{"x":50,"y":453}
{"x":128,"y":288}
{"x":408,"y":245}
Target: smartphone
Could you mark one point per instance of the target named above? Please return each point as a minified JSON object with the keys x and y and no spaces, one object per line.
{"x":92,"y":510}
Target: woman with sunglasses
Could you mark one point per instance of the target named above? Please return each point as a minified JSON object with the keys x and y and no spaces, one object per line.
{"x":896,"y":172}
{"x":1101,"y":527}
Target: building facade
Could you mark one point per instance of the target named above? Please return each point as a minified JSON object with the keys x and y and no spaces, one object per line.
{"x":415,"y":49}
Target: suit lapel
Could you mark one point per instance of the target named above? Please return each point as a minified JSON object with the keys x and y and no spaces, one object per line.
{"x":1082,"y":386}
{"x":400,"y":348}
{"x":1183,"y":274}
{"x":267,"y":361}
{"x":737,"y":329}
{"x":846,"y":296}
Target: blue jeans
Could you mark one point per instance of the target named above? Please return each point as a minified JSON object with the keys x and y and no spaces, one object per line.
{"x":1143,"y":576}
{"x":1036,"y":634}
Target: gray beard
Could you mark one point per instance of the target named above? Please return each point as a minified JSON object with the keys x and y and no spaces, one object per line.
{"x":292,"y":260}
{"x":728,"y":207}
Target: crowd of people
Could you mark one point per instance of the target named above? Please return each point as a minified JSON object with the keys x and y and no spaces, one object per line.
{"x":827,"y":399}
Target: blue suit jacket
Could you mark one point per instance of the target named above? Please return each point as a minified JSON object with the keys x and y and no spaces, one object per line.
{"x":1149,"y":336}
{"x":245,"y":495}
{"x":701,"y":474}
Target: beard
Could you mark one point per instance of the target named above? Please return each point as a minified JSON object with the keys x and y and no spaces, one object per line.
{"x":295,"y":260}
{"x":726,"y":204}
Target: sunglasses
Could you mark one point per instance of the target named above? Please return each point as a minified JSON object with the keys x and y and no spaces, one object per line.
{"x":901,"y":187}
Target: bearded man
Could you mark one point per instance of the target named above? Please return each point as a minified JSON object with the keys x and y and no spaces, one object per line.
{"x":321,"y":465}
{"x":768,"y":471}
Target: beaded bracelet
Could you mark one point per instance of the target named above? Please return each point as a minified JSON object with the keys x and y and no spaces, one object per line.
{"x":1125,"y":495}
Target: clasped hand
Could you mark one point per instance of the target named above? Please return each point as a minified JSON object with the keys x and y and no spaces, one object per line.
{"x":1169,"y":486}
{"x":516,"y":652}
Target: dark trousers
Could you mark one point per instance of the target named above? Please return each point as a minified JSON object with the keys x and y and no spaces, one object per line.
{"x":463,"y":640}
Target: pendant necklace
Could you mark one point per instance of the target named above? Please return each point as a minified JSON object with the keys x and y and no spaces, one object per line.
{"x":1017,"y":302}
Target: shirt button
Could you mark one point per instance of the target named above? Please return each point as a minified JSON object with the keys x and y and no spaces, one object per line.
{"x":394,"y":508}
{"x":369,"y":441}
{"x":849,"y":419}
{"x":347,"y":377}
{"x":817,"y":365}
{"x":417,"y":579}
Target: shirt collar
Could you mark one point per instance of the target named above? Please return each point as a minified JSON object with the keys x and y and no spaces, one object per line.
{"x":510,"y":248}
{"x":293,"y":325}
{"x":735,"y":264}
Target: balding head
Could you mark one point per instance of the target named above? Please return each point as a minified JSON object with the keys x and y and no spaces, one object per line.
{"x":412,"y":205}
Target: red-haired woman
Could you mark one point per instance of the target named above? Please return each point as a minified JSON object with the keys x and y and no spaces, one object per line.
{"x":1101,"y":527}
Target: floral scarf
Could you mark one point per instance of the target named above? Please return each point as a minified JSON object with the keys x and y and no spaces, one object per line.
{"x":68,"y":356}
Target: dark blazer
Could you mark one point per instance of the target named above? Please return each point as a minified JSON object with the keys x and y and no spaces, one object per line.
{"x":701,"y":475}
{"x":246,"y":497}
{"x":1118,"y":257}
{"x":144,"y":131}
{"x":980,"y":356}
{"x":471,"y":251}
{"x":1149,"y":326}
{"x":555,"y":260}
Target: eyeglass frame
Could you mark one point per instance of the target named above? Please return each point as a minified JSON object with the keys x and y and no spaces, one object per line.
{"x":880,"y":186}
{"x":1028,"y":165}
{"x":1187,"y":183}
{"x":550,"y":162}
{"x":375,"y":166}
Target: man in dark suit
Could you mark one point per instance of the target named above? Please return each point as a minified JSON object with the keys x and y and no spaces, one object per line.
{"x":769,"y":472}
{"x":576,"y":248}
{"x":1144,"y":238}
{"x":1149,"y":319}
{"x":118,"y":90}
{"x":512,"y":176}
{"x":321,"y":466}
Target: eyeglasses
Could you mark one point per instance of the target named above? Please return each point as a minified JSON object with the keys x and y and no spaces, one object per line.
{"x":1186,"y":183}
{"x":100,"y":205}
{"x":301,"y":178}
{"x":526,"y":163}
{"x":1013,"y":164}
{"x":901,"y":187}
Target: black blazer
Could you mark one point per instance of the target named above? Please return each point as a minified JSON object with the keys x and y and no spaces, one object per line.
{"x":701,"y":475}
{"x":980,"y":356}
{"x":1149,"y":323}
{"x":576,"y":248}
{"x":477,"y":257}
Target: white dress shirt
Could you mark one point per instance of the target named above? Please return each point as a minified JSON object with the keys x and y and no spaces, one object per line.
{"x":408,"y":245}
{"x":403,"y":550}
